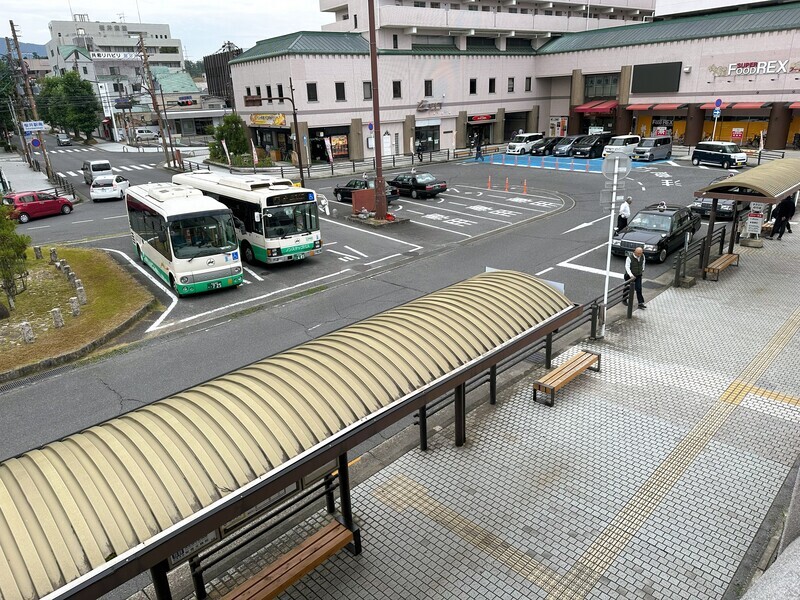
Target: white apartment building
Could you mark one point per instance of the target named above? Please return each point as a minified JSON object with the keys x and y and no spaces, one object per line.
{"x":449,"y":71}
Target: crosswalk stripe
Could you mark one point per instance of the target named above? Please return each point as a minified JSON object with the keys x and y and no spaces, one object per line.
{"x":115,"y":169}
{"x":126,"y":168}
{"x":60,"y":174}
{"x":147,"y":167}
{"x":137,"y":167}
{"x":71,"y":174}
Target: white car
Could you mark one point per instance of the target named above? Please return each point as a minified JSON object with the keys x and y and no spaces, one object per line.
{"x":105,"y":187}
{"x":522,"y":143}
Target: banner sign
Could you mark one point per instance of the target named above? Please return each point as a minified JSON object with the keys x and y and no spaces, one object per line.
{"x":28,"y":126}
{"x":268,"y":119}
{"x":227,"y":154}
{"x":113,"y":56}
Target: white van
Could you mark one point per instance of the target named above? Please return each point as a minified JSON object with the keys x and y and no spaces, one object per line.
{"x":142,"y":133}
{"x":522,"y":143}
{"x":95,"y":168}
{"x":622,"y":143}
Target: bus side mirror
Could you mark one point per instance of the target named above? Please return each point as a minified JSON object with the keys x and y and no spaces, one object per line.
{"x":257,"y":217}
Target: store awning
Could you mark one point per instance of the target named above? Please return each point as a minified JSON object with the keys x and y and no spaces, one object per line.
{"x":669,"y":106}
{"x":604,"y":107}
{"x":587,"y":106}
{"x":712,"y":106}
{"x":639,"y":106}
{"x":794,"y":105}
{"x":750,"y":105}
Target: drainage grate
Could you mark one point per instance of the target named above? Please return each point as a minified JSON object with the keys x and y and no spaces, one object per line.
{"x":35,"y":378}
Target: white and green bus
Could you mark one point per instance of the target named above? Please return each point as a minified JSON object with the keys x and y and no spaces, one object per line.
{"x":187,"y":238}
{"x":275,"y":221}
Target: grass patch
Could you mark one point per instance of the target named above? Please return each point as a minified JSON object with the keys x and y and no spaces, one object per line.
{"x":113,"y":297}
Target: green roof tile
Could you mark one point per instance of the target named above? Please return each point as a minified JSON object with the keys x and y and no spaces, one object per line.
{"x":67,"y":50}
{"x":306,"y":42}
{"x":756,"y":20}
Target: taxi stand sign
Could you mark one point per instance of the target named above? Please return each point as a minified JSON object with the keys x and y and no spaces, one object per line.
{"x":30,"y":126}
{"x":755,"y":219}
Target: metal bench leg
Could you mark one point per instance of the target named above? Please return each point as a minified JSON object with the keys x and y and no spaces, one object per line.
{"x":552,"y":397}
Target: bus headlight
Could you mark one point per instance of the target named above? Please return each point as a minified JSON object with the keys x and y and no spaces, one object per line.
{"x":237,"y":269}
{"x":318,"y":244}
{"x":184,"y":279}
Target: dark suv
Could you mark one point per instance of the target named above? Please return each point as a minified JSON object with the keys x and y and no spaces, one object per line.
{"x":658,"y":229}
{"x":591,"y":146}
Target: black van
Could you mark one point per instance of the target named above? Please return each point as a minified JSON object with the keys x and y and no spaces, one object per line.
{"x":724,"y":154}
{"x":591,"y":146}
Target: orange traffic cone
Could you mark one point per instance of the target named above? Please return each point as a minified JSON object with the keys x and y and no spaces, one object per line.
{"x":506,"y":183}
{"x":489,"y":185}
{"x":525,"y":187}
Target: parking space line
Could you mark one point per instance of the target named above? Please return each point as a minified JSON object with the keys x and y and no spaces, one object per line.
{"x":529,"y":195}
{"x":253,"y":273}
{"x":466,"y":214}
{"x":116,"y":217}
{"x":354,"y":251}
{"x":415,"y":212}
{"x":385,"y":237}
{"x":503,"y":204}
{"x":383,"y":259}
{"x":602,"y":272}
{"x":86,"y":221}
{"x":442,"y":229}
{"x":39,"y":227}
{"x":547,"y":270}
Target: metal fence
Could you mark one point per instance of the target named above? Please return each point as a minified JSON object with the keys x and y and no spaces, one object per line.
{"x":697,"y":250}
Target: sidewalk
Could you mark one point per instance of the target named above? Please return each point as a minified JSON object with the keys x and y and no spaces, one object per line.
{"x":21,"y":177}
{"x":651,"y":479}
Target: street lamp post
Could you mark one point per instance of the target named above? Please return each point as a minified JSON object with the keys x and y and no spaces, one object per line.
{"x":298,"y":143}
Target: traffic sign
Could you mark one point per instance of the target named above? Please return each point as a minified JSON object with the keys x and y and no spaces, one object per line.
{"x":616,"y":164}
{"x":35,"y":143}
{"x":33,"y":125}
{"x":370,"y":126}
{"x":718,"y":102}
{"x":717,"y":113}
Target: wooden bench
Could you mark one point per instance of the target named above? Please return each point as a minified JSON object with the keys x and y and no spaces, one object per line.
{"x":463,"y":152}
{"x":564,"y":373}
{"x":722,"y":263}
{"x":292,"y":566}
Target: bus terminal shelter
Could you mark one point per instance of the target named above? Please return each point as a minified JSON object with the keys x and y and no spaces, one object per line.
{"x":768,"y":183}
{"x":157,"y":485}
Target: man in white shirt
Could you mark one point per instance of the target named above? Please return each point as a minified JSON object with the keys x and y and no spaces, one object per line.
{"x":634,"y":269}
{"x":624,"y":214}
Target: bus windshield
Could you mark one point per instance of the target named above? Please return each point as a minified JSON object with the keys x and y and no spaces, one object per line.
{"x":290,"y":219}
{"x":202,"y":235}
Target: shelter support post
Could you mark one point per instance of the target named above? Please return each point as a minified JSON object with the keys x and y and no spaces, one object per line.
{"x":330,"y":501}
{"x":461,"y":414}
{"x":548,"y":352}
{"x":347,"y":508}
{"x":423,"y":427}
{"x":493,"y":384}
{"x":158,"y":573}
{"x":198,"y":582}
{"x":712,"y":217}
{"x":734,"y":227}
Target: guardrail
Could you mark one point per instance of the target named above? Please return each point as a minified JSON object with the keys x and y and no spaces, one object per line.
{"x":769,"y":155}
{"x":696,"y":249}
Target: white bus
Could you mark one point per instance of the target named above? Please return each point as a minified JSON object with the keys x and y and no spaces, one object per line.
{"x":275,"y":222}
{"x":188,"y":239}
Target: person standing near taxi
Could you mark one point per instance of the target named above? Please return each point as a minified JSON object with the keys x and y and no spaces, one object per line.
{"x":624,"y":214}
{"x":634,"y":269}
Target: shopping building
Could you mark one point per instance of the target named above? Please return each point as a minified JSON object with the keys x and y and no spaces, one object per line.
{"x":447,"y":75}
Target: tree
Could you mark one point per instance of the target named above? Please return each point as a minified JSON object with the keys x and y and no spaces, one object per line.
{"x":234,"y":132}
{"x":12,"y":255}
{"x":194,"y":68}
{"x":6,"y":96}
{"x":52,"y":103}
{"x":68,"y":101}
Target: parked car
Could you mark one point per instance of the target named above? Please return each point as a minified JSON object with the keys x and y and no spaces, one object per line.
{"x":344,"y":193}
{"x":95,"y":168}
{"x":521,"y":144}
{"x":544,"y":147}
{"x":702,"y":206}
{"x":591,"y":146}
{"x":658,"y":229}
{"x":418,"y":185}
{"x":108,"y":186}
{"x":63,"y":139}
{"x":724,"y":154}
{"x":653,"y":148}
{"x":32,"y":205}
{"x":622,"y":143}
{"x":142,"y":133}
{"x":564,"y":147}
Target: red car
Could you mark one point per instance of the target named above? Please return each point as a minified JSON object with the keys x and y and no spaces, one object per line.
{"x":32,"y":205}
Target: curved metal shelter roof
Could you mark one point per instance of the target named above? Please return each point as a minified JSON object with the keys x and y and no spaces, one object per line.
{"x":87,"y":505}
{"x":769,"y":183}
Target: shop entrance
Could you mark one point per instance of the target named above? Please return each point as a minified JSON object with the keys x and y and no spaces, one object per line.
{"x":515,"y":123}
{"x":326,"y":143}
{"x":273,"y":139}
{"x":427,"y":138}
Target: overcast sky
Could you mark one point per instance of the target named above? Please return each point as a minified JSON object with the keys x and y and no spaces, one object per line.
{"x":201,"y":25}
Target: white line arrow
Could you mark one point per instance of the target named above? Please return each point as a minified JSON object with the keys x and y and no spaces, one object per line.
{"x":582,"y":225}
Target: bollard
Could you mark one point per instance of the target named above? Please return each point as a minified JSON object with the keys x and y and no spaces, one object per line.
{"x":53,"y":256}
{"x":489,"y":185}
{"x":60,"y":263}
{"x":27,"y":332}
{"x":58,"y":319}
{"x":81,"y":294}
{"x":587,"y":166}
{"x":77,"y":283}
{"x":74,"y":306}
{"x":66,"y":270}
{"x":37,"y":252}
{"x":71,"y":278}
{"x":506,"y":184}
{"x":525,"y":186}
{"x":556,"y":163}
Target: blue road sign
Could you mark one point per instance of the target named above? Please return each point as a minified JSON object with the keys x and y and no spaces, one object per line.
{"x":717,"y":113}
{"x":718,"y":103}
{"x":35,"y":143}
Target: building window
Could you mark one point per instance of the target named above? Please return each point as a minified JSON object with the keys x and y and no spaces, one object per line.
{"x":486,"y":8}
{"x":436,"y":5}
{"x":523,"y":11}
{"x":512,"y":10}
{"x":428,"y":88}
{"x":248,"y":91}
{"x":258,"y":91}
{"x":394,"y":42}
{"x":280,"y":93}
{"x":397,"y":90}
{"x":528,"y":82}
{"x":601,"y":86}
{"x":491,"y":85}
{"x":473,"y":87}
{"x":367,"y":90}
{"x":340,"y":96}
{"x":473,"y":7}
{"x":113,"y":70}
{"x":419,"y":5}
{"x":85,"y":71}
{"x":311,"y":90}
{"x":269,"y":94}
{"x":510,"y":85}
{"x":137,"y":70}
{"x":136,"y":87}
{"x":455,"y":6}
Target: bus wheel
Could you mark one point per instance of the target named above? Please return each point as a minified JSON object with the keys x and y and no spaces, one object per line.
{"x":247,"y":252}
{"x":174,"y":286}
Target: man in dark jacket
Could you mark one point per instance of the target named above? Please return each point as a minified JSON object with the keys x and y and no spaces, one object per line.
{"x":783,"y":212}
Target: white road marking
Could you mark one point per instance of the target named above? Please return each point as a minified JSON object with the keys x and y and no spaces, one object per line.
{"x":554,"y":199}
{"x":547,"y":270}
{"x":331,"y":243}
{"x":246,"y":281}
{"x":137,"y":167}
{"x":503,"y":204}
{"x":493,"y":196}
{"x":416,"y":212}
{"x":590,"y":270}
{"x":147,"y":167}
{"x":314,"y":327}
{"x":458,"y":203}
{"x":385,"y":237}
{"x":60,"y":174}
{"x":126,"y":168}
{"x":115,"y":169}
{"x":442,"y":229}
{"x":344,"y":257}
{"x":673,"y":163}
{"x":383,"y":259}
{"x":117,"y":217}
{"x":71,"y":174}
{"x":86,"y":221}
{"x":354,"y":251}
{"x":471,"y":215}
{"x":589,"y":224}
{"x":603,"y":245}
{"x":39,"y":227}
{"x":253,"y":273}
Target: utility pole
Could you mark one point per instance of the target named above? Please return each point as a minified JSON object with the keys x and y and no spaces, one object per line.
{"x":32,"y":100}
{"x":25,"y":148}
{"x":153,"y":98}
{"x":380,"y":187}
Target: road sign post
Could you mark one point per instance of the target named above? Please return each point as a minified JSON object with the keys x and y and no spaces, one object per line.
{"x":616,"y":166}
{"x":716,"y":114}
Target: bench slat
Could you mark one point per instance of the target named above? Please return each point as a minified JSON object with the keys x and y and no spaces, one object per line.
{"x":570,"y":369}
{"x":292,"y":566}
{"x":722,"y":263}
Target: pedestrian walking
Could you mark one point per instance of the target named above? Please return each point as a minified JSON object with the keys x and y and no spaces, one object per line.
{"x":478,"y":151}
{"x":782,"y":213}
{"x":624,"y":214}
{"x":634,"y":269}
{"x":420,"y":150}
